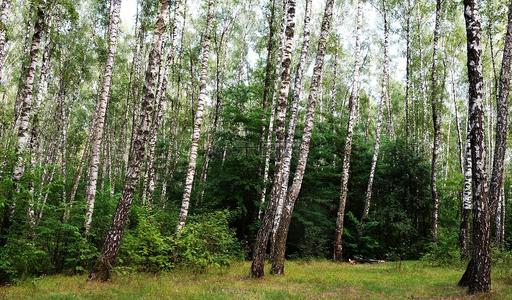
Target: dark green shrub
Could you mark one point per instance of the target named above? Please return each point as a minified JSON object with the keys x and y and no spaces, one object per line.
{"x":206,"y":242}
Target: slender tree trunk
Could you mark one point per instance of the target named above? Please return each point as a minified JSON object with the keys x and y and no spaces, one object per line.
{"x":467,"y":204}
{"x":198,"y":121}
{"x":260,"y":245}
{"x":103,"y":267}
{"x":273,"y":112}
{"x":5,"y":11}
{"x":478,"y":272}
{"x":501,"y":129}
{"x":354,"y":97}
{"x":407,"y":68}
{"x":293,"y":191}
{"x":376,"y":149}
{"x":436,"y":120}
{"x":100,"y":113}
{"x":76,"y":183}
{"x":387,"y":98}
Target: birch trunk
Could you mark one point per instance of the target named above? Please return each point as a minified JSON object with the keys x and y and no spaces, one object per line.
{"x":149,"y":186}
{"x":354,"y":97}
{"x":260,"y":245}
{"x":103,"y":267}
{"x":100,"y":113}
{"x":25,"y":109}
{"x":376,"y":149}
{"x":467,"y":204}
{"x":273,"y":112}
{"x":387,"y":98}
{"x":407,"y":68}
{"x":281,"y":188}
{"x":292,"y":195}
{"x":436,"y":120}
{"x":5,"y":11}
{"x":478,"y":272}
{"x":198,"y":120}
{"x":501,"y":129}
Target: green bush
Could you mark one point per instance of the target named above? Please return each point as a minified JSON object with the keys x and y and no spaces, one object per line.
{"x":206,"y":242}
{"x":145,"y":248}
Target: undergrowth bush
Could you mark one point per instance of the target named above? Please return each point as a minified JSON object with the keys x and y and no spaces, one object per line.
{"x":206,"y":241}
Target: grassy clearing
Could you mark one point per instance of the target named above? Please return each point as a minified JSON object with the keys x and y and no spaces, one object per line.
{"x":303,"y":280}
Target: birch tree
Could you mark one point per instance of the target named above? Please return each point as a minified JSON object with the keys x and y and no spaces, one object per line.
{"x":98,"y":124}
{"x":103,"y":268}
{"x":265,"y":229}
{"x":5,"y":10}
{"x":354,"y":98}
{"x":198,"y":120}
{"x":436,"y":120}
{"x":293,"y":192}
{"x":478,"y":273}
{"x":501,"y":130}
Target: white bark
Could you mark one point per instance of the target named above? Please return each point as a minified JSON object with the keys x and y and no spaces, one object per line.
{"x":198,"y":120}
{"x":100,"y":113}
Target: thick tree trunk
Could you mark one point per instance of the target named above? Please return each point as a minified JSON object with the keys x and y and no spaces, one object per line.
{"x":103,"y":267}
{"x":198,"y":120}
{"x":354,"y":97}
{"x":501,"y":129}
{"x":293,"y":191}
{"x":479,"y":269}
{"x":100,"y":113}
{"x":260,"y":245}
{"x":436,"y":120}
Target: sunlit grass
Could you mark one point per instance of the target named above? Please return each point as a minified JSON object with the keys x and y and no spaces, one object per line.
{"x":303,"y":280}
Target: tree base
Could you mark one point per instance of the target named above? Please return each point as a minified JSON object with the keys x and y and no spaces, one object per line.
{"x":102,"y":271}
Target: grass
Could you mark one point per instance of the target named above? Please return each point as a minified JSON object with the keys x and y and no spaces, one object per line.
{"x":303,"y":280}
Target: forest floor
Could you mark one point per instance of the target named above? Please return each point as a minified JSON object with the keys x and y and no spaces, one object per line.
{"x":303,"y":280}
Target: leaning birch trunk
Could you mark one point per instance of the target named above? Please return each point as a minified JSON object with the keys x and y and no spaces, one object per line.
{"x":149,"y":186}
{"x":376,"y":149}
{"x":478,"y":272}
{"x":501,"y":129}
{"x":337,"y":256}
{"x":436,"y":120}
{"x":293,"y":191}
{"x":5,"y":11}
{"x":282,"y":189}
{"x":198,"y":120}
{"x":260,"y":245}
{"x":103,"y":267}
{"x":99,"y":115}
{"x":25,"y":109}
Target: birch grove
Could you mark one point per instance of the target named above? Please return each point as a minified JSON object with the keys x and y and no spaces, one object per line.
{"x":185,"y":136}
